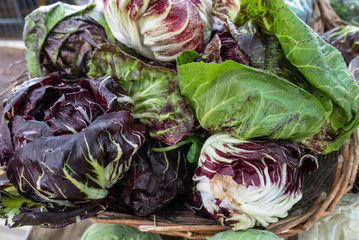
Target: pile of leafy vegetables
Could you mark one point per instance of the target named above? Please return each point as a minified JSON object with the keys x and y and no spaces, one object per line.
{"x":129,"y":97}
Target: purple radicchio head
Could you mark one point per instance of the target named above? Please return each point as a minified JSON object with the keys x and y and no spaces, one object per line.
{"x":160,"y":30}
{"x":64,"y":146}
{"x":246,"y":183}
{"x":61,"y":38}
{"x":154,"y":179}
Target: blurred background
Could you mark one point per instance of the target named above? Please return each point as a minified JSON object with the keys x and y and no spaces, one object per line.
{"x":13,"y":12}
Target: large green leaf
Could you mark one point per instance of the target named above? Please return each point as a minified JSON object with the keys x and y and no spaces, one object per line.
{"x":154,"y":90}
{"x":106,"y":231}
{"x":248,"y":102}
{"x":321,"y":64}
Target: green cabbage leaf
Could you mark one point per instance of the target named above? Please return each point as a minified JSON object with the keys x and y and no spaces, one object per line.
{"x":249,"y":102}
{"x":105,"y":231}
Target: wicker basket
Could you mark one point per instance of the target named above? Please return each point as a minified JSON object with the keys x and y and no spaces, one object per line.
{"x":322,"y":190}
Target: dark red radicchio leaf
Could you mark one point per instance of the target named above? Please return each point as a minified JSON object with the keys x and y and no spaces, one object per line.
{"x":154,"y":179}
{"x":64,"y":147}
{"x":346,"y":40}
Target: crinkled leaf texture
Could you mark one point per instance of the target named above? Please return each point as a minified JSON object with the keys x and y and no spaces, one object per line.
{"x":160,"y":30}
{"x":39,"y":24}
{"x":65,"y":145}
{"x":154,"y":90}
{"x":319,"y":62}
{"x":154,"y":179}
{"x":245,"y":183}
{"x":69,"y":46}
{"x":250,"y":234}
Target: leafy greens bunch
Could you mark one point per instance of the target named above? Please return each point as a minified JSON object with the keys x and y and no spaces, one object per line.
{"x":64,"y":146}
{"x":281,"y":81}
{"x":67,"y":140}
{"x":261,"y":91}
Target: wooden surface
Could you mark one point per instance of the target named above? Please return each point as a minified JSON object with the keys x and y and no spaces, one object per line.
{"x":12,"y":70}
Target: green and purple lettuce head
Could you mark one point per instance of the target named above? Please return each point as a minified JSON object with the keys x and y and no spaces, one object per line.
{"x":61,"y":38}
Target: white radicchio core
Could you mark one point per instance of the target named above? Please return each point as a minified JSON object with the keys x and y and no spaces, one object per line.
{"x":160,"y":30}
{"x":245,"y":183}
